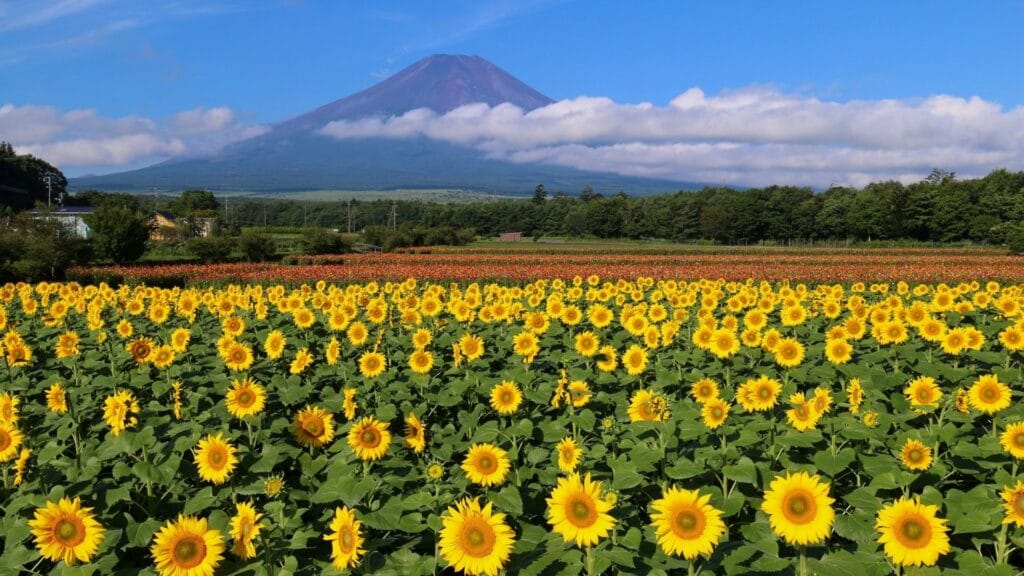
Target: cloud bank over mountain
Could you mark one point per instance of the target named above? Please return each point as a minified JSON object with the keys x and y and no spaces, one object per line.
{"x":753,"y":136}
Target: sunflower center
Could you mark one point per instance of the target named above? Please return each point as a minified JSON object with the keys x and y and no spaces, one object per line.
{"x":1018,"y":439}
{"x":5,"y":440}
{"x":915,"y":455}
{"x":245,"y":398}
{"x":485,"y":463}
{"x":370,"y":438}
{"x":989,"y":394}
{"x":477,"y":538}
{"x":1018,"y":504}
{"x":923,"y":395}
{"x":581,"y":511}
{"x":189,"y":552}
{"x":914,"y":532}
{"x":237,"y":356}
{"x":799,"y":506}
{"x":217,"y":458}
{"x":764,"y":393}
{"x":689,"y":523}
{"x":69,"y":531}
{"x":717,"y":412}
{"x":345,"y":539}
{"x":704,"y":391}
{"x":313,"y":426}
{"x":506,"y":397}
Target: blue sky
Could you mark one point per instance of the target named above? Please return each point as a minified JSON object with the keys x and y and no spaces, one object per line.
{"x":138,"y":66}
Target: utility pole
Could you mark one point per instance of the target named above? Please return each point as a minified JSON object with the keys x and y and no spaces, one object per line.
{"x":49,"y":190}
{"x":393,"y":221}
{"x":349,"y":215}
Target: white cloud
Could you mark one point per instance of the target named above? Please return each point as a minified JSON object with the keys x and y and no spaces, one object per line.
{"x":83,"y":139}
{"x":754,"y":136}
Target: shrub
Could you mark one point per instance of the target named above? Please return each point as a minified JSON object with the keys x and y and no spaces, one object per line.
{"x":321,"y":241}
{"x":118,"y":233}
{"x":211,"y":248}
{"x":1015,"y":239}
{"x":256,"y":246}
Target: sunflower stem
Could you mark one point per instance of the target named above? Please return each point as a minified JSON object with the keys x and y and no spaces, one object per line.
{"x":803,"y":561}
{"x":590,"y":561}
{"x":691,"y":569}
{"x":1001,"y":548}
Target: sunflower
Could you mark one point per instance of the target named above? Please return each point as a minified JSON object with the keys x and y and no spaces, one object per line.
{"x":20,"y":465}
{"x":506,"y":397}
{"x":486,"y":464}
{"x":799,"y":508}
{"x":119,"y":411}
{"x":923,"y":392}
{"x":179,"y":339}
{"x":245,"y":528}
{"x":606,"y":359}
{"x":838,"y":351}
{"x":569,"y":453}
{"x":238,"y":357}
{"x":9,"y":408}
{"x":349,"y":404}
{"x":915,"y":455}
{"x":372,"y":364}
{"x":789,"y":353}
{"x":346,"y":539}
{"x":187,"y":547}
{"x":66,"y":531}
{"x":369,"y":438}
{"x":435,"y":471}
{"x":273,"y":486}
{"x":215,"y":458}
{"x":704,"y":390}
{"x":647,"y":406}
{"x":714,"y":412}
{"x":586,"y":344}
{"x":471,"y":346}
{"x":421,"y":361}
{"x":301,"y":361}
{"x":854,"y":395}
{"x":954,"y":341}
{"x":579,"y":393}
{"x":803,"y":415}
{"x":475,"y":540}
{"x":527,"y":345}
{"x":56,"y":399}
{"x":1012,"y":440}
{"x":415,"y":434}
{"x":911,"y":533}
{"x":313,"y":426}
{"x":988,"y":394}
{"x":1012,"y":338}
{"x":577,"y":512}
{"x":759,"y":395}
{"x":1014,"y":503}
{"x":245,"y":398}
{"x":686,"y":524}
{"x":67,"y":345}
{"x":634,"y":360}
{"x":357,"y":334}
{"x":333,"y":352}
{"x":724,"y":343}
{"x":140,"y":349}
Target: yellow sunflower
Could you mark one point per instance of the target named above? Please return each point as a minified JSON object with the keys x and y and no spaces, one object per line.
{"x":714,"y":412}
{"x":686,"y":524}
{"x":238,"y":357}
{"x":1013,"y":499}
{"x":346,"y":538}
{"x":988,"y":394}
{"x":923,"y":392}
{"x":187,"y":547}
{"x":66,"y":531}
{"x":421,"y":361}
{"x":369,"y":439}
{"x":607,"y":361}
{"x":799,"y":508}
{"x":648,"y":406}
{"x":372,"y":364}
{"x":140,"y":349}
{"x":577,"y":512}
{"x":349,"y":404}
{"x":215,"y":458}
{"x":838,"y":351}
{"x":759,"y":394}
{"x":915,"y":455}
{"x":119,"y":411}
{"x":302,"y":360}
{"x":634,"y":360}
{"x":704,"y":390}
{"x":9,"y":408}
{"x":854,"y":395}
{"x":586,"y":344}
{"x":56,"y":399}
{"x":475,"y":540}
{"x":471,"y":346}
{"x":313,"y":426}
{"x":569,"y":453}
{"x":415,"y":433}
{"x":1012,"y":440}
{"x":486,"y":464}
{"x":245,"y":528}
{"x":803,"y":415}
{"x":789,"y":353}
{"x":724,"y":343}
{"x":911,"y":532}
{"x":162,"y":357}
{"x":245,"y":398}
{"x":506,"y":397}
{"x":180,"y":338}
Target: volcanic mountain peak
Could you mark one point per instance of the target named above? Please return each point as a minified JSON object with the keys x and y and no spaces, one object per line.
{"x":441,"y":83}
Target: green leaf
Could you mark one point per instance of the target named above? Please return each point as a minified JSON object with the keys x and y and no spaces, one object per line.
{"x":834,"y":464}
{"x":624,"y":474}
{"x":507,"y":500}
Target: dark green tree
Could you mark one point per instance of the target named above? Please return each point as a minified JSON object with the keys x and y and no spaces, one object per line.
{"x":257,"y":246}
{"x":539,"y":194}
{"x":119,"y":234}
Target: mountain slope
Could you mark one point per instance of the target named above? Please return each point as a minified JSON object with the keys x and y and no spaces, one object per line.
{"x":293,"y":155}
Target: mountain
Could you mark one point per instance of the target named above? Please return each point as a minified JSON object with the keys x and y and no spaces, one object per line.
{"x":294,"y":156}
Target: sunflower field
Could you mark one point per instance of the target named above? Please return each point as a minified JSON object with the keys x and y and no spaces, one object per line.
{"x":580,"y":426}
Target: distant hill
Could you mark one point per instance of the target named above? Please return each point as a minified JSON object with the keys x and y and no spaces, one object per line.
{"x":293,"y":156}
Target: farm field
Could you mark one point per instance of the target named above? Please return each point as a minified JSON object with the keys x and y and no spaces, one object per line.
{"x":526,"y":262}
{"x":586,"y":425}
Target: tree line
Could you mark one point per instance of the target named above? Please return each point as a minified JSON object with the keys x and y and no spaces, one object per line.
{"x":940,"y":208}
